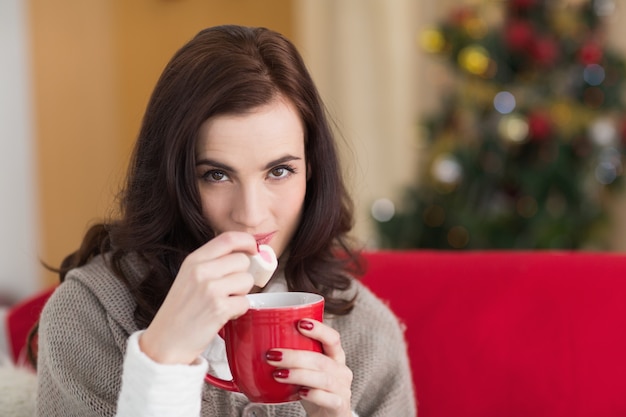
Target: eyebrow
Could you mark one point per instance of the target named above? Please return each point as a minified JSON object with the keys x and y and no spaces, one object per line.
{"x":225,"y":167}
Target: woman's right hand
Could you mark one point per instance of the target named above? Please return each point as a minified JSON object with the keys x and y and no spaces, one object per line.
{"x":209,"y":290}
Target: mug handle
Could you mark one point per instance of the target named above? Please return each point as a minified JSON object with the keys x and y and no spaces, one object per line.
{"x":218,"y":382}
{"x":221,"y":383}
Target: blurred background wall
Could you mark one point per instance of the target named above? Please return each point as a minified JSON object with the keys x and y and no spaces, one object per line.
{"x":95,"y":65}
{"x":364,"y":57}
{"x":77,"y":74}
{"x":19,"y":222}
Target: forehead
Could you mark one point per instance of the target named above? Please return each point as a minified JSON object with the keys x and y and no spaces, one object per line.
{"x":276,"y":124}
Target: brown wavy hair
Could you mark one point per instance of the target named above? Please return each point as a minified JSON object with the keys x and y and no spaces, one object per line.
{"x":223,"y":70}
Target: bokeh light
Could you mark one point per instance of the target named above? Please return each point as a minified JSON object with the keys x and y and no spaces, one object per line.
{"x":605,"y":172}
{"x":474,"y":59}
{"x":447,"y":170}
{"x":476,"y":27}
{"x":458,"y":237}
{"x":609,"y":165}
{"x":603,"y":132}
{"x":432,"y":40}
{"x":383,"y":210}
{"x":594,"y":74}
{"x":434,"y":215}
{"x":604,"y":7}
{"x":513,"y":129}
{"x":504,"y":102}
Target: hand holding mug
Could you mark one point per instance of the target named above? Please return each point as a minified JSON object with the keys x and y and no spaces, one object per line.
{"x":325,"y":379}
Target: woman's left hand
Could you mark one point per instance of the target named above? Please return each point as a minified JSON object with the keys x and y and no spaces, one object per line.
{"x":325,"y":378}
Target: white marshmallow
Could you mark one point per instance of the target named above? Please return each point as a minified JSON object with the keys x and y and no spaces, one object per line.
{"x":261,"y":268}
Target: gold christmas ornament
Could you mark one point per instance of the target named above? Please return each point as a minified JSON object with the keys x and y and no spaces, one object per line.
{"x":562,"y":114}
{"x":566,"y":22}
{"x":474,"y":59}
{"x":432,"y":40}
{"x":476,"y":27}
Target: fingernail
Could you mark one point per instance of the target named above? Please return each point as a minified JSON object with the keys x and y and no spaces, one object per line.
{"x":303,"y":392}
{"x":274,"y":355}
{"x":306,"y":325}
{"x":281,"y":373}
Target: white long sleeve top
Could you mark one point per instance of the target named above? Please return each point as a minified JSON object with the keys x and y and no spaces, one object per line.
{"x":152,"y":389}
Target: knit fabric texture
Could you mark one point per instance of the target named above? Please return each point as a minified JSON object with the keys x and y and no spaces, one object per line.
{"x":86,"y":323}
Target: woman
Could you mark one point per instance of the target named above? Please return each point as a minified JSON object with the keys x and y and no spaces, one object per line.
{"x":234,"y":151}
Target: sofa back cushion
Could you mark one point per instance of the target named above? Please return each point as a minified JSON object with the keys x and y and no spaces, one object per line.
{"x":510,"y":333}
{"x":20,"y":320}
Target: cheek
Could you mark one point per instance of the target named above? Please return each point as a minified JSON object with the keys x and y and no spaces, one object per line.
{"x":291,"y":203}
{"x":213,"y":209}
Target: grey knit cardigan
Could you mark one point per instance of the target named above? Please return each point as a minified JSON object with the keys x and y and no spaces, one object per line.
{"x":87,"y":321}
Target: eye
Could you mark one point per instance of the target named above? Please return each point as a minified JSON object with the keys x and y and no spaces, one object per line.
{"x":281,"y":171}
{"x":215,"y":176}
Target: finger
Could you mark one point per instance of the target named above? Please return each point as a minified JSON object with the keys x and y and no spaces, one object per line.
{"x":237,"y":305}
{"x":217,"y":268}
{"x":235,"y":284}
{"x":208,"y":300}
{"x":225,"y":299}
{"x":226,"y":243}
{"x":238,"y":312}
{"x":323,"y":399}
{"x":303,"y":359}
{"x":337,"y":381}
{"x":310,"y":368}
{"x":324,"y":389}
{"x":326,"y":335}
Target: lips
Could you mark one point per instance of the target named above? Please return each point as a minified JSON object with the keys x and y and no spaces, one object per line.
{"x":264,"y":238}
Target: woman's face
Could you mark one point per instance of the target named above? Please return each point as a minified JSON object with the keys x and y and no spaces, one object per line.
{"x":252,"y":173}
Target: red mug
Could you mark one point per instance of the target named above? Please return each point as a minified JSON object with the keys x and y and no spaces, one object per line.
{"x":271,"y":322}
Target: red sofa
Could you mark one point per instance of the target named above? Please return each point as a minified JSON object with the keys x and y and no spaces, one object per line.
{"x":510,"y":334}
{"x":502,"y":334}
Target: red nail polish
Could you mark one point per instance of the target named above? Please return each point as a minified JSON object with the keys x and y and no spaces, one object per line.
{"x":303,"y":392}
{"x":306,"y":325}
{"x":281,"y":373}
{"x":274,"y":355}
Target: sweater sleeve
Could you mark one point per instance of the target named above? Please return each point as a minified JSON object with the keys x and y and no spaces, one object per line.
{"x":78,"y":357}
{"x":152,"y":389}
{"x":376,"y":351}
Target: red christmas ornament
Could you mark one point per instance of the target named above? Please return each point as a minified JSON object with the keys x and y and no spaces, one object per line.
{"x":460,"y":15}
{"x":539,"y":126}
{"x":590,"y":53}
{"x":522,"y":4}
{"x":518,"y":35}
{"x":545,"y":52}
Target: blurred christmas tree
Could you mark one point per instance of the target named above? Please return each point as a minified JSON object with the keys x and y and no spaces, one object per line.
{"x":527,"y":148}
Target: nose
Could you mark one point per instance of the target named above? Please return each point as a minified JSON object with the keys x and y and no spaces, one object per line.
{"x":250,"y":206}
